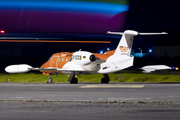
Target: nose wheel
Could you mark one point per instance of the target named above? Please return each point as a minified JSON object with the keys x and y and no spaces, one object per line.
{"x":50,"y":81}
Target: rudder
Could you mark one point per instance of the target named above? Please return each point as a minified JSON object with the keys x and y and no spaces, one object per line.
{"x":125,"y":45}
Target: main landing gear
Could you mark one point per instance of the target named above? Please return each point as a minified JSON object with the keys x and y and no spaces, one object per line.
{"x":105,"y":79}
{"x":72,"y":78}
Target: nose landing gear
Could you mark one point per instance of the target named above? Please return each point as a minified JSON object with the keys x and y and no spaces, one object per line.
{"x":72,"y":78}
{"x":50,"y":81}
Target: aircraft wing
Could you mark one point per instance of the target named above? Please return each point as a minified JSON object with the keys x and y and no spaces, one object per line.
{"x":56,"y":69}
{"x":23,"y":68}
{"x":153,"y":68}
{"x":148,"y":69}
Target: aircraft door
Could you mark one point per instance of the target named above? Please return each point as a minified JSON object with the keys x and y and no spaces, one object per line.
{"x":54,"y":62}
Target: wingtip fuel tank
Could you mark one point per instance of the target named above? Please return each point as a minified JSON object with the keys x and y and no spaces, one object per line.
{"x":21,"y":68}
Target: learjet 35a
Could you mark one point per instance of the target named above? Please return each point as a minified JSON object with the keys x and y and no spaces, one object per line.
{"x":84,"y":62}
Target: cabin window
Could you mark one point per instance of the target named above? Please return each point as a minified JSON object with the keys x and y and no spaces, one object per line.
{"x":62,"y":60}
{"x":58,"y":59}
{"x":66,"y":59}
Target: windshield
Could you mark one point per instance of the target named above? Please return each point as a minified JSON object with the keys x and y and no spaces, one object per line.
{"x":50,"y":58}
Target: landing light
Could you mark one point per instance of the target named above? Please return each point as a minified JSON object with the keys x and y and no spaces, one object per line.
{"x":101,"y":52}
{"x":108,"y":49}
{"x":150,"y":50}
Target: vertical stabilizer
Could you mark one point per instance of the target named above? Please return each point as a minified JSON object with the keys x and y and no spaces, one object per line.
{"x":125,"y":45}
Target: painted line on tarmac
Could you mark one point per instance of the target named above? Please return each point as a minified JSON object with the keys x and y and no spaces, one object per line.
{"x":112,"y":86}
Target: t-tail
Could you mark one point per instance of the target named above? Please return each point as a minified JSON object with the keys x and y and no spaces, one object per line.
{"x":125,"y":45}
{"x":122,"y":58}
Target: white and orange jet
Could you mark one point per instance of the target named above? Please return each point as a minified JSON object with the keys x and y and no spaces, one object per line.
{"x":84,"y":62}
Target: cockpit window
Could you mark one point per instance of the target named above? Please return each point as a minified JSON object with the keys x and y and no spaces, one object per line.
{"x":50,"y":58}
{"x":70,"y":60}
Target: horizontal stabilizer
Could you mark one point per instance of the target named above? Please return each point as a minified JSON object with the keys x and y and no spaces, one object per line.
{"x":115,"y":33}
{"x":127,"y":32}
{"x":163,"y":33}
{"x":131,"y":32}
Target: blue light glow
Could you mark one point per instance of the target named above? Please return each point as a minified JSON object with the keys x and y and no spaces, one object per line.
{"x":150,"y":50}
{"x":101,"y":52}
{"x":78,"y":6}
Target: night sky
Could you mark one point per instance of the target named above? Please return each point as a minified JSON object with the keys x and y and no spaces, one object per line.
{"x":156,"y":16}
{"x":85,"y":23}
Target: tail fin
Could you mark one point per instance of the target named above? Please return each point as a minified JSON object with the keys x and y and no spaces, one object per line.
{"x":125,"y":45}
{"x":121,"y":58}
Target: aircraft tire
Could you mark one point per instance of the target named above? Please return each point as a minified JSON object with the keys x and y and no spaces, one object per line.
{"x":74,"y":81}
{"x":104,"y":80}
{"x":50,"y":81}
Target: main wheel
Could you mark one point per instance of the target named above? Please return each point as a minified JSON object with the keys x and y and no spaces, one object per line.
{"x":74,"y":81}
{"x":104,"y":80}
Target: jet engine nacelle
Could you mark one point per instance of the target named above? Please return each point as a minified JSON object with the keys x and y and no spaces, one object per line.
{"x":83,"y":58}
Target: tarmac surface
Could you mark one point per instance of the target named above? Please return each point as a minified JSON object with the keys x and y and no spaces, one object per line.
{"x":89,"y":101}
{"x":90,"y":92}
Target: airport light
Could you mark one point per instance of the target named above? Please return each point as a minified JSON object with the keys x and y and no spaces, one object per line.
{"x":2,"y":31}
{"x":108,"y":49}
{"x":141,"y":52}
{"x":176,"y":68}
{"x":101,"y":52}
{"x":150,"y":50}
